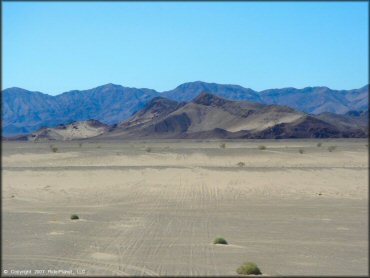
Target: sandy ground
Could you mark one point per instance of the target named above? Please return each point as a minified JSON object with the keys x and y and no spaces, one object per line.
{"x":157,"y":211}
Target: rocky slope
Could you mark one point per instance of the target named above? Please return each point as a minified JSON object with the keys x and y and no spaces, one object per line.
{"x":210,"y":116}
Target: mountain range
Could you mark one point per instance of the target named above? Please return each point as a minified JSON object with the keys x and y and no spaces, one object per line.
{"x":25,"y":112}
{"x":208,"y":116}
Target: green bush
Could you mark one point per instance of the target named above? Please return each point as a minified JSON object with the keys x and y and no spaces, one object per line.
{"x":222,"y":145}
{"x":74,"y":217}
{"x":220,"y":240}
{"x":262,"y":147}
{"x":148,"y":149}
{"x":248,"y":268}
{"x":331,"y":148}
{"x":319,"y":144}
{"x":301,"y":151}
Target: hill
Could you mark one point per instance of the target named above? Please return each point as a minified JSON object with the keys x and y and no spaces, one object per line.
{"x":210,"y":116}
{"x":72,"y":131}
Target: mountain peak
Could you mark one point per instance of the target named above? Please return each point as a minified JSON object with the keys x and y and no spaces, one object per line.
{"x":156,"y":107}
{"x":17,"y":91}
{"x":209,"y":99}
{"x":160,"y":102}
{"x":109,"y":86}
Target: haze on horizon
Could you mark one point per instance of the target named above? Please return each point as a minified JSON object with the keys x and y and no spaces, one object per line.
{"x":55,"y":47}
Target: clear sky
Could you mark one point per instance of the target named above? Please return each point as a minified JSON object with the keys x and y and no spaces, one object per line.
{"x":55,"y":47}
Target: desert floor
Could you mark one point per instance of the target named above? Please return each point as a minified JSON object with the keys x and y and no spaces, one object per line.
{"x":155,"y":207}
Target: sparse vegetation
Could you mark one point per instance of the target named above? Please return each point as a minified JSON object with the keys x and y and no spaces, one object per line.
{"x":148,"y":149}
{"x":248,"y":268}
{"x":220,"y":240}
{"x":331,"y":148}
{"x":241,"y":164}
{"x":222,"y":145}
{"x":99,"y":147}
{"x":80,"y":145}
{"x":301,"y":151}
{"x":262,"y":147}
{"x":54,"y":149}
{"x":74,"y":217}
{"x":319,"y":144}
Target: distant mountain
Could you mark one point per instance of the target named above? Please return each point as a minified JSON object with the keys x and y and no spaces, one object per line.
{"x":189,"y":91}
{"x":210,"y":116}
{"x":24,"y":111}
{"x":317,"y":100}
{"x":313,"y":100}
{"x":350,"y":120}
{"x":109,"y":103}
{"x":72,"y":131}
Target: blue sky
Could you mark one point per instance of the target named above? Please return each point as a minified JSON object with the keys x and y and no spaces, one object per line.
{"x":55,"y":47}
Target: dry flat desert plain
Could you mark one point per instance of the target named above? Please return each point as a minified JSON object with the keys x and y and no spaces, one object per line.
{"x":155,"y":207}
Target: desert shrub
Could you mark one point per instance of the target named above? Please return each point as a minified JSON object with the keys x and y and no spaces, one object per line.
{"x":241,"y":164}
{"x":80,"y":145}
{"x":222,"y":145}
{"x":301,"y":151}
{"x":219,"y":240}
{"x":331,"y":148}
{"x":319,"y":144}
{"x":74,"y":217}
{"x":148,"y":149}
{"x":249,"y":268}
{"x":262,"y":147}
{"x":54,"y":149}
{"x":99,"y":147}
